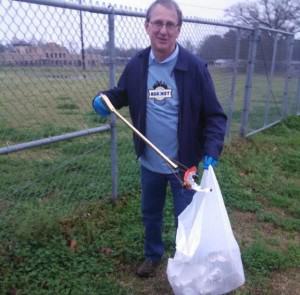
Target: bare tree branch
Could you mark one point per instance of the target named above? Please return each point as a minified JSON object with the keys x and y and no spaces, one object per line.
{"x":276,"y":14}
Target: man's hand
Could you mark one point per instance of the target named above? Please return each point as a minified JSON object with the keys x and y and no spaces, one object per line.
{"x":100,"y":107}
{"x":208,"y":160}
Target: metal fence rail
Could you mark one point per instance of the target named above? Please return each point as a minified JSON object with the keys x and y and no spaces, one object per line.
{"x":55,"y":56}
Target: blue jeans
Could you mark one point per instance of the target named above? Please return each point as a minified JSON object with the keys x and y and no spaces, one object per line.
{"x":154,"y":188}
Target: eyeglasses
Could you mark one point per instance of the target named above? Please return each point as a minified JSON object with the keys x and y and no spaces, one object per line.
{"x":158,"y":25}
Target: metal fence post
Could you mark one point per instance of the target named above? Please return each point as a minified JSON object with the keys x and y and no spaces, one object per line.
{"x":112,"y":82}
{"x":248,"y":86}
{"x":285,"y":102}
{"x":82,"y":38}
{"x":233,"y":82}
{"x":298,"y":98}
{"x":269,"y":94}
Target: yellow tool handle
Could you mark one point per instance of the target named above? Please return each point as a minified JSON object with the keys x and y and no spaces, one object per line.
{"x":146,"y":140}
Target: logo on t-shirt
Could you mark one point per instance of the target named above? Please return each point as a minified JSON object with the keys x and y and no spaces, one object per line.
{"x":160,"y":91}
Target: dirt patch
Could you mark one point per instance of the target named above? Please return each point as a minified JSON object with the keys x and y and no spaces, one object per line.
{"x":4,"y":205}
{"x":287,"y":283}
{"x":243,"y":225}
{"x":278,"y":237}
{"x":148,"y":286}
{"x":246,"y":228}
{"x":41,"y":154}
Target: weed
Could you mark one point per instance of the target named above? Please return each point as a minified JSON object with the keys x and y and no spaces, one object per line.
{"x":68,"y":106}
{"x":92,"y":118}
{"x":260,"y":260}
{"x":287,"y":223}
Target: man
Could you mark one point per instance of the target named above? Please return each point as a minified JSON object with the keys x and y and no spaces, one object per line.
{"x":172,"y":101}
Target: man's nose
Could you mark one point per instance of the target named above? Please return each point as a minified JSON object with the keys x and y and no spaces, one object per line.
{"x":163,"y":29}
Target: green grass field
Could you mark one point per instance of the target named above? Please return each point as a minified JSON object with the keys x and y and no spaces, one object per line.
{"x":61,"y":234}
{"x":40,"y":102}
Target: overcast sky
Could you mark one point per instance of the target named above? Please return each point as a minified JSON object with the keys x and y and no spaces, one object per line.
{"x":20,"y":22}
{"x":212,"y":9}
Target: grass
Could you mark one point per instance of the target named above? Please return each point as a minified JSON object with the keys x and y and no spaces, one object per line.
{"x":34,"y":97}
{"x":62,"y":234}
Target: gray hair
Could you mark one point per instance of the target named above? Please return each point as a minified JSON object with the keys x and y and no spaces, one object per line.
{"x":168,"y":4}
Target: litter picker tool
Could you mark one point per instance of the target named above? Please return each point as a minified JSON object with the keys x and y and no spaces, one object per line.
{"x":190,"y":174}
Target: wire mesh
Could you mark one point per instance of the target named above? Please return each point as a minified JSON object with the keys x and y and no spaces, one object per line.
{"x":46,"y":90}
{"x":272,"y":73}
{"x":53,"y":60}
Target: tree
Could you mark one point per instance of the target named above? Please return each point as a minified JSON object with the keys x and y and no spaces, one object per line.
{"x":2,"y":48}
{"x":211,"y":47}
{"x":189,"y":46}
{"x":277,"y":14}
{"x":222,"y":47}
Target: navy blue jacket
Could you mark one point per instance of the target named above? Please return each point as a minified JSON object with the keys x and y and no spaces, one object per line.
{"x":202,"y":122}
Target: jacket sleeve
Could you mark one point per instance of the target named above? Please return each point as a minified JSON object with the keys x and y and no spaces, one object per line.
{"x":214,"y":119}
{"x":118,"y":95}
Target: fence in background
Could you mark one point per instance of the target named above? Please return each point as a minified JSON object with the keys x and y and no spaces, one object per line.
{"x":55,"y":56}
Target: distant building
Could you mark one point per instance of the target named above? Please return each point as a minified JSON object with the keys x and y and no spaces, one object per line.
{"x":48,"y":54}
{"x":295,"y":68}
{"x":224,"y":63}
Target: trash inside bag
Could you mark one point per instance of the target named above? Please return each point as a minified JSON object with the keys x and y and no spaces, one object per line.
{"x":207,"y":258}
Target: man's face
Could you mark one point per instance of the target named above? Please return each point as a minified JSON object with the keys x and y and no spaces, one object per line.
{"x":163,"y":30}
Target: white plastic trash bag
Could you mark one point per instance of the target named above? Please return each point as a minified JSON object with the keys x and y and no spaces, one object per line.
{"x":207,"y":258}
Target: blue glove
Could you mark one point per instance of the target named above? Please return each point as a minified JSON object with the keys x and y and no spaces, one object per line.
{"x":208,"y":160}
{"x":100,"y":107}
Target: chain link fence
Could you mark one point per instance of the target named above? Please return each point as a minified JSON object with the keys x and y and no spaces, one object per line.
{"x":55,"y":56}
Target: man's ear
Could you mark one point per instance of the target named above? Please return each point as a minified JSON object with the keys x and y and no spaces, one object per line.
{"x":179,"y":29}
{"x":146,"y":25}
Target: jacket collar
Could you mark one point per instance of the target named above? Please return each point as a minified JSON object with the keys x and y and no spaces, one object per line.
{"x":182,"y":60}
{"x":169,"y":58}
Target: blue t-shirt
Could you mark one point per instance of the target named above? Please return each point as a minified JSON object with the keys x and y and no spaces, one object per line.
{"x":162,"y":113}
